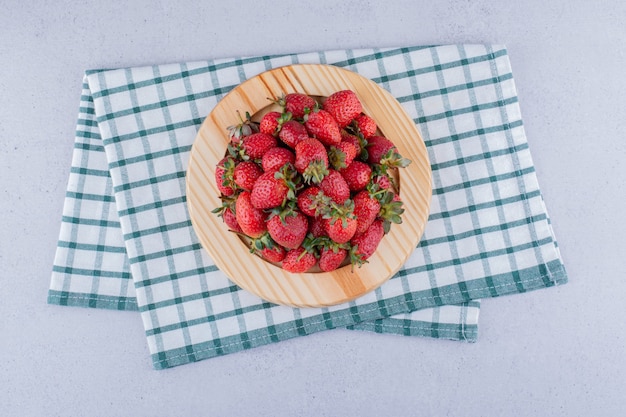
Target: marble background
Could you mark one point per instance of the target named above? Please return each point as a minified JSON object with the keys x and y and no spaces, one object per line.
{"x":555,"y":352}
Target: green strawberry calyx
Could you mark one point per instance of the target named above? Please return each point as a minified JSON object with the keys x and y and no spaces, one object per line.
{"x":315,"y":172}
{"x":353,"y":129}
{"x":290,"y":177}
{"x":288,"y":209}
{"x":310,"y":244}
{"x":356,"y":258}
{"x":264,"y":241}
{"x":393,"y":159}
{"x":337,"y":157}
{"x":341,"y":212}
{"x":390,"y":210}
{"x":228,"y":203}
{"x":243,"y":128}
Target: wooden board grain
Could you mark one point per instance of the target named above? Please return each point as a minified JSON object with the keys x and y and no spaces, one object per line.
{"x":264,"y":279}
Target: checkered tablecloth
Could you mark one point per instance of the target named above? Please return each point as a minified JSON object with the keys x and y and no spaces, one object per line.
{"x":126,"y":240}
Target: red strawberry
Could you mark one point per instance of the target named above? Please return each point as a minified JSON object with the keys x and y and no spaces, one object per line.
{"x":377,"y":147}
{"x":312,"y":201}
{"x":296,"y":104}
{"x":366,"y":208}
{"x":231,"y":220}
{"x":250,"y":219}
{"x":335,"y":187}
{"x":342,"y":154}
{"x":366,"y":125}
{"x":340,"y":230}
{"x":382,"y":151}
{"x":246,"y":174}
{"x":242,"y":129}
{"x":340,"y":223}
{"x":292,"y":132}
{"x":323,"y":126}
{"x":299,"y":260}
{"x":383,"y":181}
{"x":316,"y":227}
{"x":274,"y":254}
{"x":288,"y":230}
{"x":227,"y":212}
{"x":257,"y":144}
{"x":365,"y":244}
{"x":272,"y":189}
{"x":311,"y":160}
{"x":357,"y":175}
{"x":267,"y":248}
{"x":224,"y":176}
{"x":344,"y":106}
{"x":275,"y":158}
{"x":270,"y":123}
{"x":331,"y":258}
{"x":353,"y":139}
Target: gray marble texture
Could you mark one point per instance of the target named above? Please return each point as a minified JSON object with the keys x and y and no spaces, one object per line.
{"x":555,"y":352}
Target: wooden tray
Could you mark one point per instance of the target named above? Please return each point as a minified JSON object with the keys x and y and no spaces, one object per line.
{"x":264,"y":279}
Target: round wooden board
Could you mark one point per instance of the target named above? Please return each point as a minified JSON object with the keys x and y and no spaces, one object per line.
{"x":262,"y":278}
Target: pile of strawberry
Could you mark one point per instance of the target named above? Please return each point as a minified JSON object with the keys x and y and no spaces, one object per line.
{"x":311,"y":184}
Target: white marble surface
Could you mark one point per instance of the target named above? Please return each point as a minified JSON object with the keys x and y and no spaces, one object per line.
{"x":555,"y":352}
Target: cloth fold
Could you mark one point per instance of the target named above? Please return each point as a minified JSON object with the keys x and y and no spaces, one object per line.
{"x":126,"y":240}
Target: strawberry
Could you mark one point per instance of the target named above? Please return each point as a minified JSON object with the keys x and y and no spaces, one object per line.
{"x":299,"y":260}
{"x":250,"y":219}
{"x":383,"y":181}
{"x":268,"y":191}
{"x":255,"y":145}
{"x":312,"y":201}
{"x":275,"y":158}
{"x":316,"y":227}
{"x":297,"y":104}
{"x":378,"y":146}
{"x":340,"y":223}
{"x":357,"y":175}
{"x":227,"y":212}
{"x":288,"y":230}
{"x":340,"y":230}
{"x":353,"y":139}
{"x":365,"y":244}
{"x":272,"y":189}
{"x":275,"y":254}
{"x":242,"y":129}
{"x":270,"y":123}
{"x":342,"y":154}
{"x":231,"y":221}
{"x":331,"y":258}
{"x":292,"y":132}
{"x":366,"y":208}
{"x":246,"y":174}
{"x":344,"y":106}
{"x":224,"y":176}
{"x":382,"y":151}
{"x":323,"y":126}
{"x":311,"y":160}
{"x":366,"y":125}
{"x":267,"y":248}
{"x":335,"y":187}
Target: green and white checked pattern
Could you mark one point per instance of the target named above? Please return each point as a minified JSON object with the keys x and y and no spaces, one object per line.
{"x":125,"y":215}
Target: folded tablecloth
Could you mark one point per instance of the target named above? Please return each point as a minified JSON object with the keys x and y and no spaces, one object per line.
{"x":126,"y":240}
